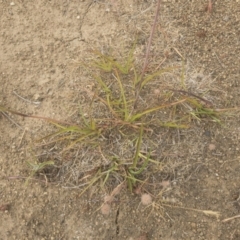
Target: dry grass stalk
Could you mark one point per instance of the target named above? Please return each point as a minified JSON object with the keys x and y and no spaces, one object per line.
{"x":116,"y":191}
{"x":231,"y":218}
{"x":108,"y":199}
{"x":148,"y":50}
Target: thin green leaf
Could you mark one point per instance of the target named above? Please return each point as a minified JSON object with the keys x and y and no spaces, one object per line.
{"x":149,"y":78}
{"x":139,"y":142}
{"x":125,"y":109}
{"x":139,"y":115}
{"x":103,"y":86}
{"x":39,"y":166}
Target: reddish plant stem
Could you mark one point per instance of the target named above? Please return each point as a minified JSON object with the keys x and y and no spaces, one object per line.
{"x":33,"y":116}
{"x":145,"y":64}
{"x":150,"y":40}
{"x":150,"y":43}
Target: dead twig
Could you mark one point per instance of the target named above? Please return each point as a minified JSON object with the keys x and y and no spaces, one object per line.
{"x":10,"y":119}
{"x":26,"y":100}
{"x":21,"y":138}
{"x":4,"y":110}
{"x":192,"y":94}
{"x":231,"y":218}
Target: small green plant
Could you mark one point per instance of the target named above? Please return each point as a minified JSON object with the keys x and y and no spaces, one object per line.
{"x":120,"y":86}
{"x":117,"y":96}
{"x":127,"y":112}
{"x":36,"y":167}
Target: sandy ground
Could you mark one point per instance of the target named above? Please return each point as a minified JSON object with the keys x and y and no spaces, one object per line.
{"x":41,"y":43}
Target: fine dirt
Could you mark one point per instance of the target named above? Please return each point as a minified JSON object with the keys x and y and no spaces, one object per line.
{"x":42,"y":42}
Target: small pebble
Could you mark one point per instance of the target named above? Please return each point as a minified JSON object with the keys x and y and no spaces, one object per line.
{"x":211,"y":146}
{"x":156,"y":91}
{"x":146,"y":199}
{"x":105,"y":209}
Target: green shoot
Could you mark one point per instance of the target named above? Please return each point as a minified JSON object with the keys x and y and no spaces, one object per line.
{"x":119,"y":88}
{"x":37,"y":167}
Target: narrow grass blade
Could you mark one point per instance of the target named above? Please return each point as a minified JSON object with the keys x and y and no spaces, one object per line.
{"x":173,"y":125}
{"x":139,"y":171}
{"x":104,"y":63}
{"x":108,"y":172}
{"x":102,"y":84}
{"x":39,"y":166}
{"x":136,"y":77}
{"x":149,"y":78}
{"x":139,"y":115}
{"x":125,"y":109}
{"x":82,"y":139}
{"x":96,"y":178}
{"x":206,"y":212}
{"x":129,"y":63}
{"x":139,"y":142}
{"x":183,"y":76}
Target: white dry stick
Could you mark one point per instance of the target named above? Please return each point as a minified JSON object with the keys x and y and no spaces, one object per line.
{"x":26,"y":100}
{"x":231,"y":218}
{"x":176,"y":50}
{"x":117,"y":189}
{"x":21,"y":138}
{"x":11,"y":120}
{"x":219,"y":60}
